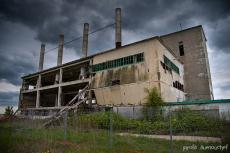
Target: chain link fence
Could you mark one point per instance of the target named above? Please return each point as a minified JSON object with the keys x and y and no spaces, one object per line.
{"x":162,"y":130}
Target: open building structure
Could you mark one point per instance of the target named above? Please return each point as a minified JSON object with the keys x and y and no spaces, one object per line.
{"x":176,"y":64}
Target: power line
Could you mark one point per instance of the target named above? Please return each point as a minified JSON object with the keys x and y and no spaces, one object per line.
{"x":77,"y":38}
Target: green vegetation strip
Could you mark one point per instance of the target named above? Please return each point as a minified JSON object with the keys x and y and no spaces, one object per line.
{"x":31,"y":140}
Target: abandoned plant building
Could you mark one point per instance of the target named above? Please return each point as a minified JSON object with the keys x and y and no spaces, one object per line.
{"x":176,"y":64}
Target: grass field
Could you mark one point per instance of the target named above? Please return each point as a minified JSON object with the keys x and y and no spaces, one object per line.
{"x":16,"y":137}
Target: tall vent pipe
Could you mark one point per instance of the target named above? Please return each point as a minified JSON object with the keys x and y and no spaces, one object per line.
{"x":41,"y":60}
{"x":85,"y":40}
{"x":60,"y":49}
{"x":118,"y":27}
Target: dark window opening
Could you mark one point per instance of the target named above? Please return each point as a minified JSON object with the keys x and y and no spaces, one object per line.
{"x":165,"y":67}
{"x":181,"y":48}
{"x":178,"y":85}
{"x":115,"y":82}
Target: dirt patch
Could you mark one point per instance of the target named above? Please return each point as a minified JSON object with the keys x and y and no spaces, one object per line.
{"x":167,"y":137}
{"x":135,"y":152}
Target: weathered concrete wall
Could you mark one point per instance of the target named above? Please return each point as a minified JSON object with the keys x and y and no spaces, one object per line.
{"x":168,"y":92}
{"x":216,"y":110}
{"x":126,"y":74}
{"x":134,"y":79}
{"x":127,"y":94}
{"x":131,"y":112}
{"x":196,"y":67}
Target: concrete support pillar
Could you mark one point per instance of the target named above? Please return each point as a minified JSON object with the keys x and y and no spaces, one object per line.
{"x":118,"y":27}
{"x":60,"y":49}
{"x":20,"y":99}
{"x":85,"y":40}
{"x":38,"y":99}
{"x":41,"y":60}
{"x":39,"y":80}
{"x":38,"y":91}
{"x":59,"y":95}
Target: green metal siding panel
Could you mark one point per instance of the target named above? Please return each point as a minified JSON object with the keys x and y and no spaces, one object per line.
{"x":118,"y":62}
{"x":171,"y":65}
{"x":198,"y":102}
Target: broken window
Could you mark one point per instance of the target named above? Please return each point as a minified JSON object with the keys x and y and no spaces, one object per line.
{"x":178,"y":85}
{"x":181,"y":48}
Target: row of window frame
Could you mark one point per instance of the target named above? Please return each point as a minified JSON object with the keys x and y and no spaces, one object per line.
{"x":171,"y":65}
{"x":132,"y":59}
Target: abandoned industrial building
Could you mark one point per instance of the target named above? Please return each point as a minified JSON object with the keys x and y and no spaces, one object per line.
{"x":176,"y":64}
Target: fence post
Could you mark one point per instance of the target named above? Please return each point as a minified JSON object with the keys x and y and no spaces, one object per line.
{"x":110,"y":126}
{"x":65,"y":124}
{"x":170,"y":130}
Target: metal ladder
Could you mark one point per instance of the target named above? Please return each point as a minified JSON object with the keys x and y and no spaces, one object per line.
{"x":71,"y":105}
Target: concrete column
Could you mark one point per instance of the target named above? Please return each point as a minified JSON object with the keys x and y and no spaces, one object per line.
{"x":39,"y":81}
{"x":38,"y":91}
{"x":41,"y":60}
{"x":60,"y":75}
{"x":59,"y":96}
{"x":85,"y":40}
{"x":20,"y":99}
{"x":38,"y":99}
{"x":60,"y":49}
{"x":118,"y":27}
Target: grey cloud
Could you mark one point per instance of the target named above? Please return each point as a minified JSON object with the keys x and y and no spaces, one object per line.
{"x":49,"y":18}
{"x":8,"y":98}
{"x":17,"y":53}
{"x":13,"y":68}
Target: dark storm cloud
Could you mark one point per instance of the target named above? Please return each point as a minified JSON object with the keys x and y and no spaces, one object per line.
{"x":8,"y":98}
{"x":53,"y":17}
{"x":17,"y":52}
{"x":49,"y":18}
{"x":13,"y":68}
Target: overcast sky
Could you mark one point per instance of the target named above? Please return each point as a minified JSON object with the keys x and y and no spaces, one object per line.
{"x":25,"y":24}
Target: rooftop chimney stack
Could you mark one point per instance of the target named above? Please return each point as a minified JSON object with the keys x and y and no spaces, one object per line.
{"x":60,"y":49}
{"x":41,"y":60}
{"x":118,"y":27}
{"x":85,"y":40}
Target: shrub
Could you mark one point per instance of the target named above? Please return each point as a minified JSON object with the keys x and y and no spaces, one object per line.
{"x":184,"y":121}
{"x":151,"y":109}
{"x":9,"y":111}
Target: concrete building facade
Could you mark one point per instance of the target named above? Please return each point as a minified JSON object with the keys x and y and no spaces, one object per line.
{"x":120,"y":76}
{"x":117,"y":77}
{"x":189,"y":46}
